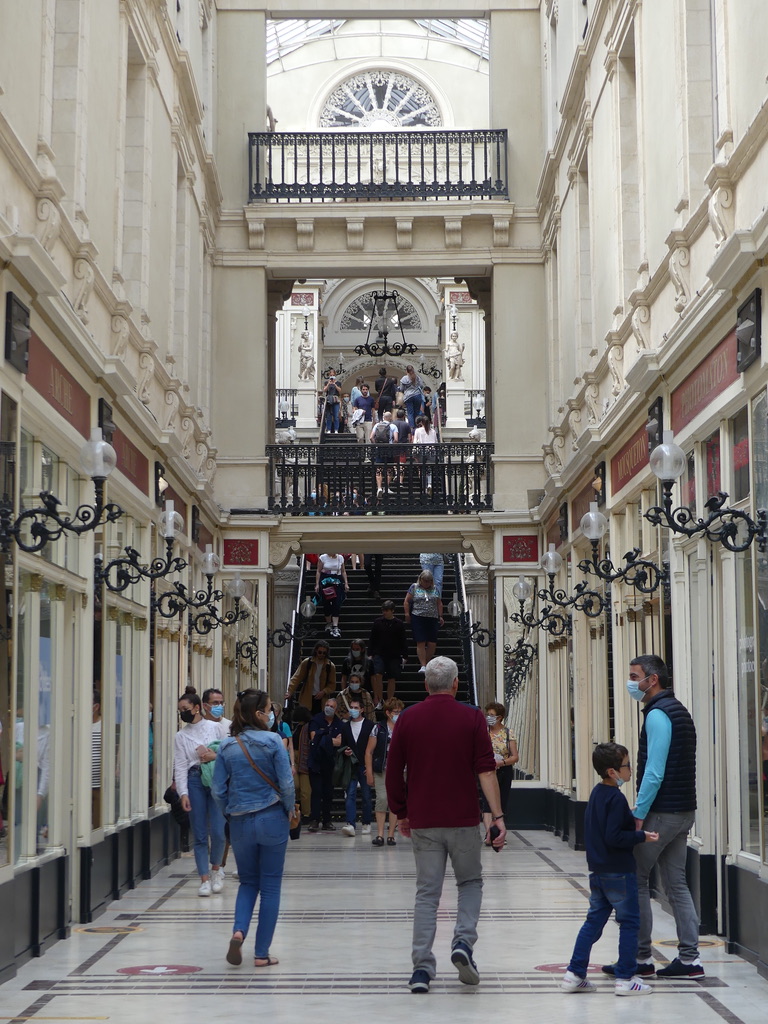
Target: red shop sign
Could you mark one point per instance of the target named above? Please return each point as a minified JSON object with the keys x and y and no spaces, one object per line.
{"x":708,"y":380}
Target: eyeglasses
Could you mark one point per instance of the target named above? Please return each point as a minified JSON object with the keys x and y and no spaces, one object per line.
{"x":627,"y":764}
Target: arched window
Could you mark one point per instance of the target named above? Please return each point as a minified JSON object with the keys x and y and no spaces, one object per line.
{"x":357,"y":315}
{"x":376,"y":101}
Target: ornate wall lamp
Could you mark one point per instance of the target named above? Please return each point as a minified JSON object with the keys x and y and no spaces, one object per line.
{"x":466,"y":629}
{"x":584,"y":600}
{"x":476,"y":408}
{"x":552,"y":622}
{"x":286,"y":634}
{"x":248,"y":650}
{"x":640,"y":573}
{"x":731,"y":527}
{"x":128,"y":568}
{"x":209,"y":618}
{"x":518,"y":661}
{"x":36,"y":527}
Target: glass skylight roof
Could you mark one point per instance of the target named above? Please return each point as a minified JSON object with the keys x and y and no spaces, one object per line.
{"x":289,"y":34}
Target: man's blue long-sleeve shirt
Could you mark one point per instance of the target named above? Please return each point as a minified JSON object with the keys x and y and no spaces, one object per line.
{"x":609,"y":832}
{"x":658,"y":731}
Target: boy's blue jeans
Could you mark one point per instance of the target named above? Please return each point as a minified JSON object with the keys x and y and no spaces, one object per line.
{"x":609,"y":892}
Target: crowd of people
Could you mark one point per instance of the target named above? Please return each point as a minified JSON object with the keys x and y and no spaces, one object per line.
{"x":238,"y":780}
{"x":359,"y":410}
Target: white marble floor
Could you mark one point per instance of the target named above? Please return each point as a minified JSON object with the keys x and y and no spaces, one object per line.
{"x":343,"y":941}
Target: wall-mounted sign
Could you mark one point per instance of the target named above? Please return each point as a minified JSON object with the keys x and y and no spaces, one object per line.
{"x":55,"y":383}
{"x":131,"y":462}
{"x":520,"y":548}
{"x":708,"y":380}
{"x":630,"y":459}
{"x":241,"y":552}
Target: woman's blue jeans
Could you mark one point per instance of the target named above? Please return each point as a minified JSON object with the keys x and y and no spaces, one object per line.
{"x":332,"y":418}
{"x":609,"y":892}
{"x":259,"y":841}
{"x":414,"y":407}
{"x":206,"y":819}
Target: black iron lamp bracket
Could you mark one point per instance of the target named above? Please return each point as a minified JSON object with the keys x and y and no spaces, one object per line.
{"x":128,"y":568}
{"x":45,"y":524}
{"x":731,"y":527}
{"x":640,"y":573}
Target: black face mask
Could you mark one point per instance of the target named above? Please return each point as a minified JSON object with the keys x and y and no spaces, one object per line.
{"x":187,"y":716}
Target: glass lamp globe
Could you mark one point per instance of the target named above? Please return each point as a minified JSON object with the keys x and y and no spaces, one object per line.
{"x":454,"y":608}
{"x":169,"y":522}
{"x":211,"y":562}
{"x":284,"y":406}
{"x":593,"y":523}
{"x":307,"y":609}
{"x":552,"y":563}
{"x":236,"y":587}
{"x":668,"y":459}
{"x":522,"y":590}
{"x":97,"y":457}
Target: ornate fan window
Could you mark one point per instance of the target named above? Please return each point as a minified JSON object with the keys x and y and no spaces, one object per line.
{"x":357,"y":315}
{"x":376,"y":101}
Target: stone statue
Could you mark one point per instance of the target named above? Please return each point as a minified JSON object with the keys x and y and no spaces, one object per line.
{"x":306,"y":356}
{"x":454,"y":354}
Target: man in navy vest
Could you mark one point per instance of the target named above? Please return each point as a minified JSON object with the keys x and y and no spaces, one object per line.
{"x":666,"y":803}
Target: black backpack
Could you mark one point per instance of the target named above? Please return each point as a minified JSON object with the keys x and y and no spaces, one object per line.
{"x":380,"y":434}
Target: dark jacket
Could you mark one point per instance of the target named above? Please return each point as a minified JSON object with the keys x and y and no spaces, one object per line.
{"x":322,"y":750}
{"x":677,"y":792}
{"x":609,"y":832}
{"x":388,"y":638}
{"x":359,"y":746}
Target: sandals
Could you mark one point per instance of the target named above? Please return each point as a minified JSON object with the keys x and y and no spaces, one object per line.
{"x":378,"y":841}
{"x":265,"y":961}
{"x":391,"y":841}
{"x":234,"y":953}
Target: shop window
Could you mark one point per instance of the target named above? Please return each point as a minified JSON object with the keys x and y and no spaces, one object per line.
{"x":759,"y":737}
{"x":751,"y":765}
{"x":740,"y":454}
{"x":712,"y":464}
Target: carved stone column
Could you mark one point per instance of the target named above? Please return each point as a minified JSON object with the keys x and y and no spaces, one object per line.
{"x":284,"y":584}
{"x":478,"y":587}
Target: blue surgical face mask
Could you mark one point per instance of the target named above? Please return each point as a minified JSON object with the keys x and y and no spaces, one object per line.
{"x":491,"y":719}
{"x":329,"y":711}
{"x":633,"y":688}
{"x":354,"y":713}
{"x":354,"y":687}
{"x":395,"y":716}
{"x":271,"y":719}
{"x":217,"y":710}
{"x":619,"y":781}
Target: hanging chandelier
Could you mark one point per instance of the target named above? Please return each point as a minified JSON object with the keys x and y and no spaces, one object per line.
{"x":381,"y":317}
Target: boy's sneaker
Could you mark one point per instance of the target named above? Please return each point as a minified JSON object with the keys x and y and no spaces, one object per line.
{"x":677,"y":969}
{"x":632,"y":987}
{"x":461,"y":958}
{"x":348,"y":830}
{"x":419,"y":982}
{"x":205,"y":889}
{"x":573,"y":983}
{"x":641,"y":970}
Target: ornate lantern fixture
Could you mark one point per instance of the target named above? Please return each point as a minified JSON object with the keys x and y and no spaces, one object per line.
{"x":128,"y":568}
{"x":209,"y":618}
{"x":640,"y":573}
{"x":554,"y":623}
{"x":381,"y":315}
{"x":36,"y":527}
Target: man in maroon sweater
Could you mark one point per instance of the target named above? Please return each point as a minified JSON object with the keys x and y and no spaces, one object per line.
{"x":444,"y":747}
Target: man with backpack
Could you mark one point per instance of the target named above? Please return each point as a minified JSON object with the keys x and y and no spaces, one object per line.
{"x":383,"y":433}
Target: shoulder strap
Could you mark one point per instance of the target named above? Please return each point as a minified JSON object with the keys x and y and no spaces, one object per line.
{"x":255,"y":766}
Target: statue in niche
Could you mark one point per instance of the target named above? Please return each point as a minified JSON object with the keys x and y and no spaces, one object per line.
{"x":306,"y":356}
{"x":454,"y":354}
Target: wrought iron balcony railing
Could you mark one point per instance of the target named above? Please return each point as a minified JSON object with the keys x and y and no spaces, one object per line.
{"x":394,"y":479}
{"x":327,"y":167}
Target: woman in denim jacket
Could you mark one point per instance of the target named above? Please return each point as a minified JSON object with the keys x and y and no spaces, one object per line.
{"x":258,"y":817}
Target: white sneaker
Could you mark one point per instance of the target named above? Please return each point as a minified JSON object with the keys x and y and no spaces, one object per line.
{"x":217,"y":881}
{"x":366,"y":830}
{"x":573,"y":983}
{"x":205,"y":889}
{"x":632,"y":987}
{"x":423,"y":670}
{"x":349,"y":830}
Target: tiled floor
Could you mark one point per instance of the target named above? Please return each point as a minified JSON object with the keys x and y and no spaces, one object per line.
{"x":344,"y":946}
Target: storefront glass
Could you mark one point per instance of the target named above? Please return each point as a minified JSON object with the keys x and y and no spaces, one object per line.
{"x":760,"y":476}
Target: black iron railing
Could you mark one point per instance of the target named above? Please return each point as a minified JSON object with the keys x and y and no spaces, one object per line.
{"x":326,"y":167}
{"x":394,"y":479}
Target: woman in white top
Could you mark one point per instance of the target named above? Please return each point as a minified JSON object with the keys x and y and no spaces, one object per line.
{"x":331,"y":586}
{"x":190,"y":751}
{"x":424,"y":434}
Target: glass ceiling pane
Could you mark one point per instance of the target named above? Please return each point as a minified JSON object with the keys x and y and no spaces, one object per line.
{"x":289,"y":34}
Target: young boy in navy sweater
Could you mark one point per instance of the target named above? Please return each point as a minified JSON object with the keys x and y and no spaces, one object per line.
{"x":610,"y":836}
